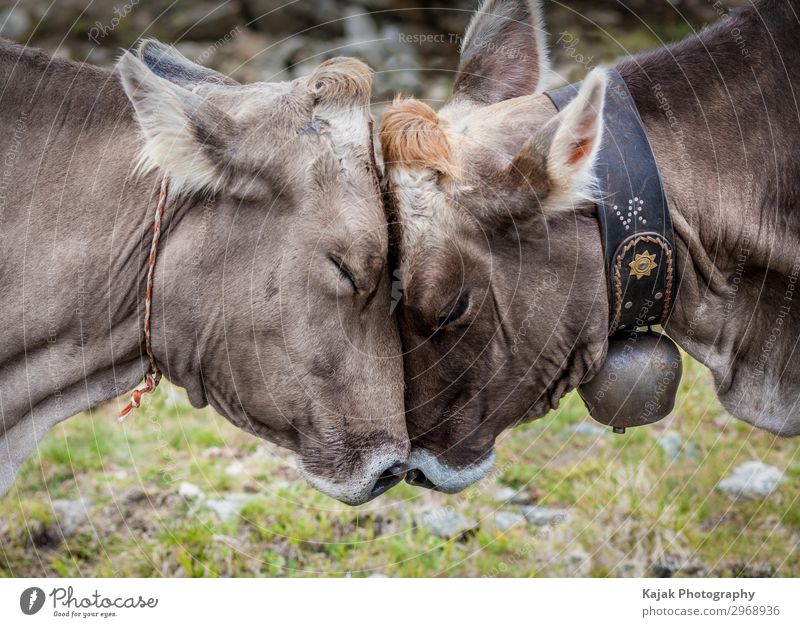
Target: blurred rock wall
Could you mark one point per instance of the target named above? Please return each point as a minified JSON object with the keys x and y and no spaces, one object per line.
{"x":412,"y":44}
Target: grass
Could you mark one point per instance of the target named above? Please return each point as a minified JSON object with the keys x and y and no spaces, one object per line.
{"x":633,"y":508}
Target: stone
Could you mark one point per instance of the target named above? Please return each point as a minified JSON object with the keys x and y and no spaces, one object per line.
{"x":504,"y":520}
{"x":70,"y":514}
{"x":14,"y":24}
{"x":671,"y":443}
{"x":666,"y":566}
{"x":577,"y":564}
{"x":505,"y":494}
{"x":751,"y":480}
{"x":132,"y":495}
{"x":228,"y":507}
{"x":540,"y":516}
{"x":446,"y":522}
{"x":234,"y":469}
{"x":190,"y":491}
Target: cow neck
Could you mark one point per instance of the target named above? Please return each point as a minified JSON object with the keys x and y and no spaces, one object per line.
{"x":153,"y":376}
{"x":632,"y":211}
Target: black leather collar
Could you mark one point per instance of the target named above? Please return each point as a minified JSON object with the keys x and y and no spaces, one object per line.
{"x":635,"y":225}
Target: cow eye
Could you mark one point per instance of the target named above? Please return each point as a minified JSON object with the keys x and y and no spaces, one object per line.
{"x":345,"y":273}
{"x":455,"y":311}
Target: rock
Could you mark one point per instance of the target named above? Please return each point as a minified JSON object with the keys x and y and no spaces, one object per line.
{"x":278,"y":17}
{"x":504,"y":520}
{"x":590,"y":429}
{"x":665,"y":566}
{"x":14,"y":24}
{"x":70,"y":514}
{"x":358,"y":26}
{"x":578,"y":564}
{"x":505,"y":494}
{"x":234,"y":469}
{"x":190,"y":491}
{"x":40,"y":534}
{"x":132,"y":495}
{"x":228,"y":507}
{"x":217,"y":452}
{"x":446,"y":522}
{"x":751,"y":480}
{"x":671,"y":443}
{"x":540,"y":516}
{"x":205,"y":21}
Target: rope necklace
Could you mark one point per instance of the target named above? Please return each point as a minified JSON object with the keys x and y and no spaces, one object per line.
{"x":153,"y":376}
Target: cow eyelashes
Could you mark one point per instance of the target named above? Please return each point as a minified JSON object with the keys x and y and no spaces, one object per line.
{"x":345,"y":273}
{"x":454,"y":312}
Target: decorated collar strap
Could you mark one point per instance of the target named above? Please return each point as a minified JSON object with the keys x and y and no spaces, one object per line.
{"x":635,"y":225}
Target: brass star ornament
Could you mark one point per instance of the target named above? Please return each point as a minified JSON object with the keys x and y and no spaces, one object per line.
{"x":643,"y":264}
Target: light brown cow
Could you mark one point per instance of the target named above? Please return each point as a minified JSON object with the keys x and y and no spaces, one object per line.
{"x":271,"y":294}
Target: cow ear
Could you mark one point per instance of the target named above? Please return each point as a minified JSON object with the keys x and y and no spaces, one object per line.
{"x":503,"y":54}
{"x":574,"y":137}
{"x":342,"y":82}
{"x":166,"y":62}
{"x":186,"y":136}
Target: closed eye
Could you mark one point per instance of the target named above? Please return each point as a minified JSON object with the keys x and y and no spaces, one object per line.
{"x":455,"y":311}
{"x":345,"y":273}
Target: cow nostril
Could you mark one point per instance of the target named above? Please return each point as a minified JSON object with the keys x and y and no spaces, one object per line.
{"x":389,"y":478}
{"x":417,"y":477}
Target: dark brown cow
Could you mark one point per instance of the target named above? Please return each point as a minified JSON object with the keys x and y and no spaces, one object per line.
{"x":505,"y":306}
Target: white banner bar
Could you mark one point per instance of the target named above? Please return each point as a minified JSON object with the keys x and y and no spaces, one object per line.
{"x":389,"y":602}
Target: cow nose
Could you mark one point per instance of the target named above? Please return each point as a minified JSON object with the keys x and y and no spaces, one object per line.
{"x":417,"y":477}
{"x":389,"y":478}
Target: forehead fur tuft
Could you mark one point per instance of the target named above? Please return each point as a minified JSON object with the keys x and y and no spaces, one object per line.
{"x":412,"y":135}
{"x":343,"y":81}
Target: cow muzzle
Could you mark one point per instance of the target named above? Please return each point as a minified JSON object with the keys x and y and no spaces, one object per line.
{"x":427,"y":471}
{"x":381,"y":475}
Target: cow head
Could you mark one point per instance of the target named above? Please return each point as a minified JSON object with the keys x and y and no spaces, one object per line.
{"x":498,"y":250}
{"x":271,"y":297}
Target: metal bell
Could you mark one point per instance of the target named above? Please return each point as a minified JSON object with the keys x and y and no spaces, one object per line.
{"x":637,"y":383}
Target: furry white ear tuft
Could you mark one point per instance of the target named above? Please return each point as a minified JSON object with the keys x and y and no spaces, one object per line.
{"x":173,"y":120}
{"x":577,"y":138}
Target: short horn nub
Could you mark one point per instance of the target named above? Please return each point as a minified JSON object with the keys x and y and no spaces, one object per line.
{"x":343,"y":81}
{"x":412,"y":135}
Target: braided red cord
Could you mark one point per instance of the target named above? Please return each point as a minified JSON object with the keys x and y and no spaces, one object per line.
{"x":153,"y":376}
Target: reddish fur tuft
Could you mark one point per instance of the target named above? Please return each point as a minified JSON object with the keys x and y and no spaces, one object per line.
{"x":412,"y":135}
